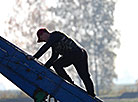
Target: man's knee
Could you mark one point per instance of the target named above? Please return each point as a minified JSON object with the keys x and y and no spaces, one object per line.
{"x":85,"y":76}
{"x":58,"y":68}
{"x":56,"y":65}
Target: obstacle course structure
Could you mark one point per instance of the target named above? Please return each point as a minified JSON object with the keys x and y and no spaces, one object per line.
{"x":34,"y":79}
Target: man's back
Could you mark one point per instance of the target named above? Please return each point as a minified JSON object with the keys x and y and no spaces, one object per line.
{"x":62,"y":43}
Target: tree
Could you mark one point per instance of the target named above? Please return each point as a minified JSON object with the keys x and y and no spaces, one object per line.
{"x":90,"y":23}
{"x":106,"y":39}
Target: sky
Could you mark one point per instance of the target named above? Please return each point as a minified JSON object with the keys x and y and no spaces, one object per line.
{"x":125,"y":20}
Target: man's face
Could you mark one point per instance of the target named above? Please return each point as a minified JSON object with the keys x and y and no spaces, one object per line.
{"x":44,"y":37}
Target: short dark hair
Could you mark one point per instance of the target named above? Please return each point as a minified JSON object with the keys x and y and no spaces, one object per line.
{"x":41,"y":30}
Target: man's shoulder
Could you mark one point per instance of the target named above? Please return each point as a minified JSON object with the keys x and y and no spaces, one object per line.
{"x":58,"y":33}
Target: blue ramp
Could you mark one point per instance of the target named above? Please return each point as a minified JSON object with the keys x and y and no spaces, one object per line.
{"x":34,"y":79}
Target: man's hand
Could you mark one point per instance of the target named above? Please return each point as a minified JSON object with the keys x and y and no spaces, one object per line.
{"x":29,"y":57}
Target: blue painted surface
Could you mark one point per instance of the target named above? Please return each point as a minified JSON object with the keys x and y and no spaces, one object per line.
{"x":29,"y":75}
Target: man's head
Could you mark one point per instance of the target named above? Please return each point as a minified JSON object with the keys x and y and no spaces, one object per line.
{"x":43,"y":35}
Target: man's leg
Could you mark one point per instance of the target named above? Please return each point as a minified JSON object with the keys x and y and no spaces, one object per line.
{"x":82,"y":69}
{"x":58,"y":66}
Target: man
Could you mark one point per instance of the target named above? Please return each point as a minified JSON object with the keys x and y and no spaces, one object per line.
{"x":71,"y":53}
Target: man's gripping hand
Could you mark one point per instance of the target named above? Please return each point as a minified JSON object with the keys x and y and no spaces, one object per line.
{"x":29,"y":57}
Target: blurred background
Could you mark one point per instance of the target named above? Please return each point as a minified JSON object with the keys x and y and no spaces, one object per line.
{"x":105,"y":28}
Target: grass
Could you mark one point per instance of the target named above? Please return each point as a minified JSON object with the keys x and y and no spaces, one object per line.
{"x":121,"y":100}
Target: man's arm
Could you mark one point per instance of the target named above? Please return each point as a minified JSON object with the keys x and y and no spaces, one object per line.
{"x":54,"y":56}
{"x":42,"y":50}
{"x":46,"y":46}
